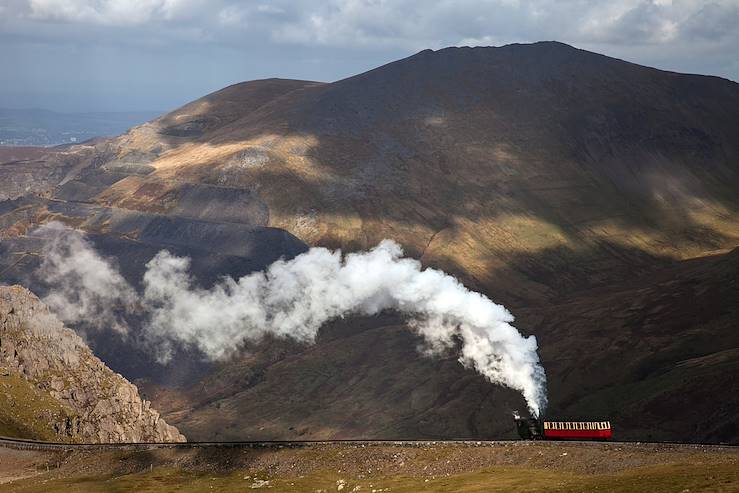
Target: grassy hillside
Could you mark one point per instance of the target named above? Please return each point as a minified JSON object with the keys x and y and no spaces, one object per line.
{"x":28,"y":412}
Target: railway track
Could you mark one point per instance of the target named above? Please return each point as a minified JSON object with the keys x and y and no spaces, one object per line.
{"x":22,"y":444}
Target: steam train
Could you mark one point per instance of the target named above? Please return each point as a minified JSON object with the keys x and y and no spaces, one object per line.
{"x":533,"y":429}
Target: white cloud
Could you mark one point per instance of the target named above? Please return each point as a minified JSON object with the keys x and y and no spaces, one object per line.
{"x":486,"y":40}
{"x":270,"y":9}
{"x":412,"y":23}
{"x":330,"y":39}
{"x":114,"y":12}
{"x":232,"y":15}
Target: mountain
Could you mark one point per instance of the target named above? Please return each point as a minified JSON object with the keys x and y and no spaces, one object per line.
{"x":55,"y":389}
{"x":657,"y":355}
{"x":593,"y":197}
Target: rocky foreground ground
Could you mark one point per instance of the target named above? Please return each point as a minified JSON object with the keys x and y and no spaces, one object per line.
{"x":473,"y":466}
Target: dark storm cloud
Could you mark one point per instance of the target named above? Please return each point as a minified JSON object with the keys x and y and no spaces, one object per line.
{"x":155,"y":54}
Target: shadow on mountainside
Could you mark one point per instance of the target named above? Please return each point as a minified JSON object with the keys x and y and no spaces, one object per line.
{"x":655,"y":355}
{"x":567,"y":185}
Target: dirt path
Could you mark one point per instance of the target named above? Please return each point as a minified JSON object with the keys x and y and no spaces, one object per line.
{"x":19,"y":464}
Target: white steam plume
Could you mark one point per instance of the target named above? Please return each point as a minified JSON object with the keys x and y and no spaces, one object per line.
{"x":86,"y":287}
{"x":294,"y":298}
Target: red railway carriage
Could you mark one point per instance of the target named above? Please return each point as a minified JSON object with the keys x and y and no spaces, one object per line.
{"x":533,"y":429}
{"x":577,"y":430}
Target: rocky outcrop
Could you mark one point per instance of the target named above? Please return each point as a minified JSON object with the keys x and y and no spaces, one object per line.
{"x":101,"y":405}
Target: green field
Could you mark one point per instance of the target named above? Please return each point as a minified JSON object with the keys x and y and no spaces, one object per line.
{"x":27,"y":412}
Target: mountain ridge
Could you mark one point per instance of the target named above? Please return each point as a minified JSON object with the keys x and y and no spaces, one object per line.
{"x":536,"y":174}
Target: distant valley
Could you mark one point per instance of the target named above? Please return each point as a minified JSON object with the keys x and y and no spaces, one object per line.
{"x":37,"y":127}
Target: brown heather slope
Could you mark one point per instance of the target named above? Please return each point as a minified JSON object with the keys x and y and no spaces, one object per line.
{"x":503,"y":165}
{"x":37,"y":170}
{"x":594,"y":197}
{"x":657,"y":356}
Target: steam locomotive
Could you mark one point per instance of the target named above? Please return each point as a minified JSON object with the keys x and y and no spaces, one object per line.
{"x":533,"y":429}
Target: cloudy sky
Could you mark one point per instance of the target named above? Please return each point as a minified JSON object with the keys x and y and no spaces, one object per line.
{"x":117,"y":55}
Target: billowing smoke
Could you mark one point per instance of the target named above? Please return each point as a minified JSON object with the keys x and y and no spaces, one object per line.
{"x":293,"y":298}
{"x":86,"y":287}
